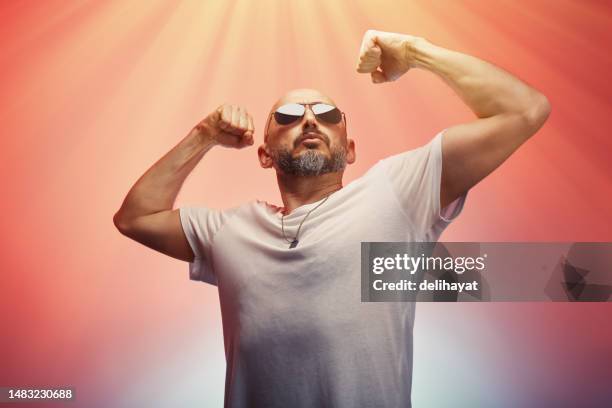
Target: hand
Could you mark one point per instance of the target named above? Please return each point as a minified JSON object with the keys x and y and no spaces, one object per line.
{"x":386,"y":56}
{"x":229,"y":126}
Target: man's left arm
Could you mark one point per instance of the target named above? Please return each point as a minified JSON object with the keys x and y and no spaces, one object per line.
{"x":508,"y":110}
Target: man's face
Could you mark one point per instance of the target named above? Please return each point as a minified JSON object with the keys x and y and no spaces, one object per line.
{"x":308,"y":146}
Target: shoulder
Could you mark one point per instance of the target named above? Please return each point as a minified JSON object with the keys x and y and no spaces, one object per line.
{"x":209,"y":215}
{"x":431,"y":150}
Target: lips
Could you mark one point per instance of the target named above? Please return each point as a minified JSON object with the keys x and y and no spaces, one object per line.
{"x":310,"y":136}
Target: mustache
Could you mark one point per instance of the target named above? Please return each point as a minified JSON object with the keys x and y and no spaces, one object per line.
{"x":311,"y":133}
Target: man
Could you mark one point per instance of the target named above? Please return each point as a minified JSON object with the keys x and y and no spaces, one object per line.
{"x":295,"y":331}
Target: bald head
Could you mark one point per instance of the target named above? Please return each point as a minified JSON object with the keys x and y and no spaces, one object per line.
{"x":290,"y":149}
{"x":304,"y":96}
{"x":300,"y":95}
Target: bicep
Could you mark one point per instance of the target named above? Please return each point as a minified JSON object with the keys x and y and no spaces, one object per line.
{"x":472,"y":150}
{"x":162,"y":232}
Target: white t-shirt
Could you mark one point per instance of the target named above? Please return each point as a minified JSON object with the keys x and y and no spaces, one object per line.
{"x":295,"y":330}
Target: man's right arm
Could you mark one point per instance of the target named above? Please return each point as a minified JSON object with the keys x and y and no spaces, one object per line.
{"x":146,"y":214}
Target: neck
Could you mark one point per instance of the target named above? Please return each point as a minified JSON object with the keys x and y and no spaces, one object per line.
{"x":297,"y":191}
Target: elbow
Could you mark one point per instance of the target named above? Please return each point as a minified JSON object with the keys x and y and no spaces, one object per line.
{"x":537,"y":112}
{"x":120,"y":223}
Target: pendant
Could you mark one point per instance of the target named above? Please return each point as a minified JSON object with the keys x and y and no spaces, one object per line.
{"x":293,"y":243}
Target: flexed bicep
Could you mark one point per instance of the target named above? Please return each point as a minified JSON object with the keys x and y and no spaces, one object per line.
{"x":471,"y":151}
{"x":161,"y":231}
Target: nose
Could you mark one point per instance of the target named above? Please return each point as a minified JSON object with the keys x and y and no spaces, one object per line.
{"x":309,"y":119}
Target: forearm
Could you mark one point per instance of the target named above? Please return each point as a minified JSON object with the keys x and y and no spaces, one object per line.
{"x":485,"y":88}
{"x":157,"y":189}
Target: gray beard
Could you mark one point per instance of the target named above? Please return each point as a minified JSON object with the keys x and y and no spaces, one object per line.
{"x":309,"y":163}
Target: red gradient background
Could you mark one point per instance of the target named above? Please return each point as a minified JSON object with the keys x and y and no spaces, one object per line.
{"x":94,"y":92}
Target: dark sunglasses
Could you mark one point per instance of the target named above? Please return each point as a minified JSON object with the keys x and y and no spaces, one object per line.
{"x":293,"y":112}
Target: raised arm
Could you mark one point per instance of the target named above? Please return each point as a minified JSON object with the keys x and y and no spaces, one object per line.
{"x":146,"y":214}
{"x":508,"y":110}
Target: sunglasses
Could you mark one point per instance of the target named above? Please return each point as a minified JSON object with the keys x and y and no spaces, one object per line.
{"x":292,"y":112}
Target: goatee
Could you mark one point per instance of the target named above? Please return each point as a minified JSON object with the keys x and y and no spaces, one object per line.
{"x":310,"y":163}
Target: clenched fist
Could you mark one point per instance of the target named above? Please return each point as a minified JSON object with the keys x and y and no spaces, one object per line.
{"x":386,"y":56}
{"x":229,"y":125}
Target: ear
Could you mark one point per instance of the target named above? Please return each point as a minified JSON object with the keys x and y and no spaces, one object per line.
{"x":264,"y":158}
{"x":351,"y":156}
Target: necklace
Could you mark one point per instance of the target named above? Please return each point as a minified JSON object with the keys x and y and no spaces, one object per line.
{"x":295,"y":241}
